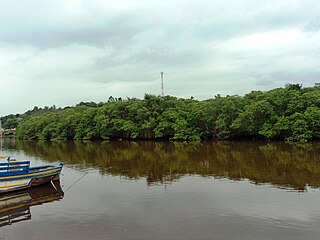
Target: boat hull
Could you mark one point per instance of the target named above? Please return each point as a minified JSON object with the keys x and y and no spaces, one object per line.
{"x":28,"y":180}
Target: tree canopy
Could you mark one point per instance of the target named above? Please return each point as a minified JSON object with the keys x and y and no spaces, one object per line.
{"x":291,"y":113}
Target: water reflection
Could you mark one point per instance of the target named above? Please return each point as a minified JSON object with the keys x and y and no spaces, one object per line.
{"x":281,"y":164}
{"x":15,"y":206}
{"x":197,"y":205}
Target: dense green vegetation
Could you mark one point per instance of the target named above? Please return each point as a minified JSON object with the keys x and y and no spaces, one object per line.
{"x":12,"y":120}
{"x":290,"y":113}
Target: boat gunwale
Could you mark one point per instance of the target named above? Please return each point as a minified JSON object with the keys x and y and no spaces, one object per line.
{"x":32,"y":174}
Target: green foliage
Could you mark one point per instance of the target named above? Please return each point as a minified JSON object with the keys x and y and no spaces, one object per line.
{"x":12,"y":121}
{"x":291,"y":113}
{"x":251,"y":120}
{"x":290,"y":86}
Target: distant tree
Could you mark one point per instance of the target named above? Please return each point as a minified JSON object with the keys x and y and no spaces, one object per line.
{"x":111,"y":99}
{"x":291,"y":86}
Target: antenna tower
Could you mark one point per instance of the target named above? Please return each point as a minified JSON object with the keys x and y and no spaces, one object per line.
{"x":162,"y":91}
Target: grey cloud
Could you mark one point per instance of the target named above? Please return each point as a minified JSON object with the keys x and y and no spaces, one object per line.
{"x":127,"y":43}
{"x":205,"y":21}
{"x":313,"y":25}
{"x":161,"y":57}
{"x":116,"y":33}
{"x":233,"y":21}
{"x":171,"y":57}
{"x":264,"y":83}
{"x":304,"y":78}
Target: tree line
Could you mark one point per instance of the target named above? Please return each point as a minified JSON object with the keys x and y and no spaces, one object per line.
{"x":12,"y":120}
{"x":290,"y":113}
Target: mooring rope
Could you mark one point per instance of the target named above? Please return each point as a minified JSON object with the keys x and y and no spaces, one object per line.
{"x":76,"y":181}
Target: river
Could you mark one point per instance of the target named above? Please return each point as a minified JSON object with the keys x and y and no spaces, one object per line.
{"x":170,"y":190}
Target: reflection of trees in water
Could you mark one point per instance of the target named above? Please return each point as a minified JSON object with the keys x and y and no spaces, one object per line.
{"x":281,"y":164}
{"x":7,"y":143}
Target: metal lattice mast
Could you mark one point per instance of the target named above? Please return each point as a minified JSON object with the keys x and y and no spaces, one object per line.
{"x":162,"y":90}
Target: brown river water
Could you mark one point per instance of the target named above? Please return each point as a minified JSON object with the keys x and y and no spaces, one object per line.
{"x":164,"y":190}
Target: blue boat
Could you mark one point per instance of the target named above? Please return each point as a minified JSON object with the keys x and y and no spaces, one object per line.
{"x":17,"y":175}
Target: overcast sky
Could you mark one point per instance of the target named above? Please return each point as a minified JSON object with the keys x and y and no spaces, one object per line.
{"x":61,"y":52}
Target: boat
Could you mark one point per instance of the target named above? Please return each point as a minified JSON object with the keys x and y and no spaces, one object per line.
{"x":16,"y":175}
{"x":15,"y":206}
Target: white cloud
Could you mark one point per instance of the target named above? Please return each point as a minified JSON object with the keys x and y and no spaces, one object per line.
{"x":265,"y":40}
